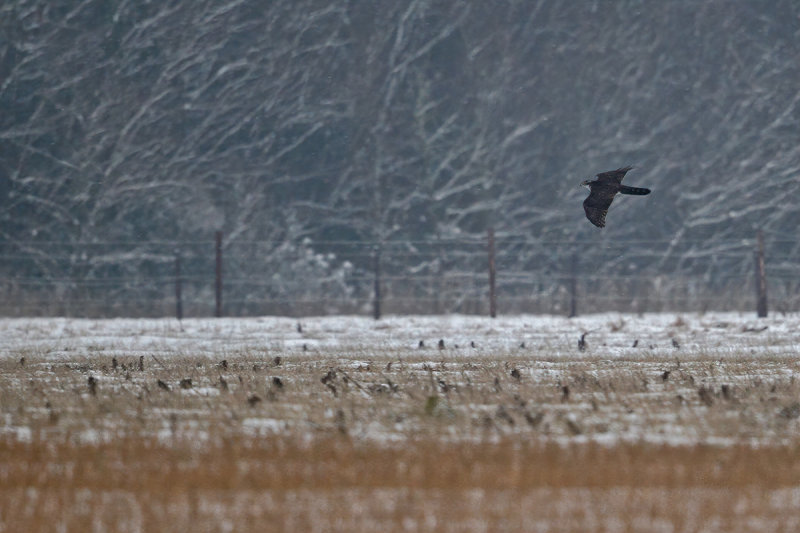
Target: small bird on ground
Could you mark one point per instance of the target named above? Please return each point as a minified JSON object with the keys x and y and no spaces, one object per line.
{"x":603,"y":190}
{"x":582,"y":342}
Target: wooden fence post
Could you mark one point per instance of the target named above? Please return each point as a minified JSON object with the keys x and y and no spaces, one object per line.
{"x":376,"y":263}
{"x":761,"y":279}
{"x":178,"y":288}
{"x":573,"y":287}
{"x":218,"y":276}
{"x":492,"y":275}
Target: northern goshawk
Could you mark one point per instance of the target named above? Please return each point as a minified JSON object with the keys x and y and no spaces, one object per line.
{"x":603,"y":190}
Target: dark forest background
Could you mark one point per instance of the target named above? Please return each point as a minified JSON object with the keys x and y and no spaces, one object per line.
{"x":312,"y":133}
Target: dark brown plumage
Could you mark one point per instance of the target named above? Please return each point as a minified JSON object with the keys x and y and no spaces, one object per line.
{"x":582,"y":342}
{"x":603,"y":190}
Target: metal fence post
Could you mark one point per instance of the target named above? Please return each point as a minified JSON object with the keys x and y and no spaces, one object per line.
{"x":218,"y":276}
{"x":761,"y":279}
{"x":573,"y":287}
{"x":492,"y":275}
{"x":178,"y":287}
{"x":376,"y":304}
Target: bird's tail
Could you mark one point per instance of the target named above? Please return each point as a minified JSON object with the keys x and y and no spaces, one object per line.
{"x":639,"y":191}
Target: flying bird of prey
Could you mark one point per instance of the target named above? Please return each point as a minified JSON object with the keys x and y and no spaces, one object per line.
{"x":603,"y":190}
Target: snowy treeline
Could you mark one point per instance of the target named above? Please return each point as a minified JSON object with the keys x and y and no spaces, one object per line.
{"x":298,"y":124}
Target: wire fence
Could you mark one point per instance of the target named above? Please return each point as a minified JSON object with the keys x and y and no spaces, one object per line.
{"x":468,"y":275}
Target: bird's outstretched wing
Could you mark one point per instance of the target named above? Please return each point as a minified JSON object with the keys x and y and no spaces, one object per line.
{"x":595,"y":215}
{"x":596,"y":205}
{"x":613,"y":175}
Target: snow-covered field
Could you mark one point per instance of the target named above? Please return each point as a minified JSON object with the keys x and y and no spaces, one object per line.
{"x":678,"y":379}
{"x":551,"y":337}
{"x":393,"y":392}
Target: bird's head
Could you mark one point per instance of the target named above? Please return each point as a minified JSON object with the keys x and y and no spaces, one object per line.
{"x":587,"y":184}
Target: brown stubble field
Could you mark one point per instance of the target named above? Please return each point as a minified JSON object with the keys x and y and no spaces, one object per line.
{"x":326,"y":429}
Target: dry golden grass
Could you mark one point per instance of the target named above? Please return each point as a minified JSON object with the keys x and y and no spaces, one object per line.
{"x":383,"y":397}
{"x":335,"y":483}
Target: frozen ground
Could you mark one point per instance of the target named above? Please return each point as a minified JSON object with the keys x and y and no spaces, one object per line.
{"x":660,"y":423}
{"x":550,"y":337}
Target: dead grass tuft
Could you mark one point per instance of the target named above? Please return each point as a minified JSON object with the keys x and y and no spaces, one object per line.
{"x":679,"y":322}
